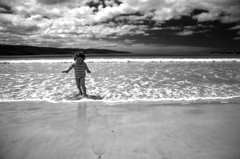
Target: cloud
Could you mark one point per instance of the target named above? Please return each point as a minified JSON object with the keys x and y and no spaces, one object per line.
{"x":224,"y":11}
{"x":190,"y":30}
{"x":156,"y":28}
{"x":173,"y":28}
{"x":237,"y":38}
{"x":159,"y":11}
{"x":207,"y":17}
{"x":17,"y":24}
{"x":5,"y":9}
{"x":128,"y":41}
{"x":52,"y":2}
{"x":185,"y":33}
{"x":109,"y":12}
{"x":237,"y":27}
{"x":81,"y":21}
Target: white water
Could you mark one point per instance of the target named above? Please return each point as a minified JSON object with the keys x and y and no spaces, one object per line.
{"x":126,"y":79}
{"x":123,"y":60}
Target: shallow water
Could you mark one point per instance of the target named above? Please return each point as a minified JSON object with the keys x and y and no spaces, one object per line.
{"x":122,"y":80}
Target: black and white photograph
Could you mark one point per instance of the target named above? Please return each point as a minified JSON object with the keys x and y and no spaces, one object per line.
{"x":119,"y":79}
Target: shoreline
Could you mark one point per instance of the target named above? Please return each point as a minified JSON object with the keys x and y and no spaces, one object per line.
{"x":119,"y":55}
{"x":219,"y":100}
{"x":125,"y":59}
{"x":35,"y":130}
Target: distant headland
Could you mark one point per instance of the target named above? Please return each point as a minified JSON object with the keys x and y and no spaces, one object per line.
{"x":19,"y":50}
{"x":225,"y":52}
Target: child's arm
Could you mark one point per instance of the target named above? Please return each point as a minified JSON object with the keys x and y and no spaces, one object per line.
{"x":87,"y":69}
{"x":69,"y":69}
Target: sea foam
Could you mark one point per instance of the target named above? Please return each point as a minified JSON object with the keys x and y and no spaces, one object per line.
{"x":123,"y":60}
{"x":119,"y":80}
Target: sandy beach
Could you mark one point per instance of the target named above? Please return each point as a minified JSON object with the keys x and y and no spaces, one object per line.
{"x":36,"y":130}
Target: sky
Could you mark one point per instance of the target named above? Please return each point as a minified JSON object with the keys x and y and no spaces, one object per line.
{"x":138,"y":26}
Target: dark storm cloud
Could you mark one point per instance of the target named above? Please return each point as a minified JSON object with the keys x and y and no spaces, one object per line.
{"x":5,"y":9}
{"x":52,"y":2}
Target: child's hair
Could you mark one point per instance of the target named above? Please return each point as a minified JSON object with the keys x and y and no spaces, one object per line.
{"x":79,"y":54}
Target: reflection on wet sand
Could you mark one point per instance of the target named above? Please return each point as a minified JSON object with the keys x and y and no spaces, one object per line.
{"x":82,"y":124}
{"x":90,"y":130}
{"x":95,"y":129}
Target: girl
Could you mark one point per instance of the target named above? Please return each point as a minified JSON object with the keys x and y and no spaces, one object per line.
{"x":80,"y":68}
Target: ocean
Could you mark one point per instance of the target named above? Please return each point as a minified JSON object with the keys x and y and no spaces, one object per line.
{"x":123,"y":79}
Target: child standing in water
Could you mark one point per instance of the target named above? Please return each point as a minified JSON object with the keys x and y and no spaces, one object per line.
{"x":80,"y":69}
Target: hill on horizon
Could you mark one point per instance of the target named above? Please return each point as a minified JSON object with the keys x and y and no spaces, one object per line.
{"x":8,"y":50}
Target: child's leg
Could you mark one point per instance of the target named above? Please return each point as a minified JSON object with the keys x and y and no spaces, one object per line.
{"x":82,"y":84}
{"x":78,"y":85}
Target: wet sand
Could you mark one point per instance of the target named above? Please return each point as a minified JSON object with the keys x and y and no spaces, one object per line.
{"x":89,"y":130}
